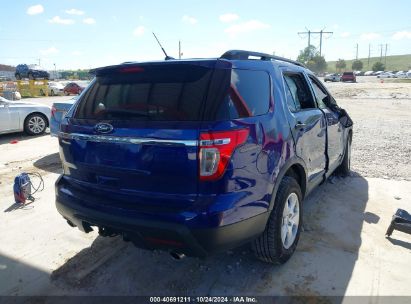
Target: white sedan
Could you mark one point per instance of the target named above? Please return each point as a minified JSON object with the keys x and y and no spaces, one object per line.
{"x":53,"y":88}
{"x":17,"y":116}
{"x":386,"y":75}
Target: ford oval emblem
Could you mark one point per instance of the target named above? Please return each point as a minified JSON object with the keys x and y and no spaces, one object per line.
{"x":103,"y":127}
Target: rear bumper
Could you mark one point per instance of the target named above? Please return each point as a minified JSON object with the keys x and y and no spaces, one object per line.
{"x":148,"y":233}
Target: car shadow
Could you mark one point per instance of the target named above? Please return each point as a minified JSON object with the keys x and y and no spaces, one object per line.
{"x":50,"y":163}
{"x":322,"y":264}
{"x":29,"y":279}
{"x":19,"y":136}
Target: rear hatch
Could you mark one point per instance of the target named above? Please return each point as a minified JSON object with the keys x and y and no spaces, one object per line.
{"x":135,"y":130}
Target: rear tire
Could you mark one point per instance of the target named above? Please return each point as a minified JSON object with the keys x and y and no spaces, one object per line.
{"x":35,"y":124}
{"x":280,"y":237}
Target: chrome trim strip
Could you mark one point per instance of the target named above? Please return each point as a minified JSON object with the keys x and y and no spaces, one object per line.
{"x":127,"y":140}
{"x":214,"y":142}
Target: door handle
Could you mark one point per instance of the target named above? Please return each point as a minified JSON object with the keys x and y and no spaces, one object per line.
{"x":300,"y":125}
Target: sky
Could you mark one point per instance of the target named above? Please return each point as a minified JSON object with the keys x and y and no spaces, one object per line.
{"x":72,"y":34}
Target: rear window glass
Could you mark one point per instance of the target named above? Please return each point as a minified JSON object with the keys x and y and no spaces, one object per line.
{"x":170,"y":93}
{"x":176,"y":93}
{"x":348,"y":73}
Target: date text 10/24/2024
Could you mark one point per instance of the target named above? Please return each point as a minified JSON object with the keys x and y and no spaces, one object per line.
{"x":206,"y":299}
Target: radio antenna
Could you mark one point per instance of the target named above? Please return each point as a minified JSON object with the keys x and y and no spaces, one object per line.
{"x":164,"y":51}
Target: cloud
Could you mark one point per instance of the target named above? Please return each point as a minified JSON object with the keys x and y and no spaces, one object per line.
{"x":370,"y":36}
{"x":89,"y":21}
{"x":58,"y":20}
{"x":345,"y":34}
{"x":50,"y":51}
{"x":229,"y":17}
{"x":76,"y":53}
{"x":139,"y":31}
{"x":401,"y":35}
{"x":246,"y":27}
{"x":35,"y":9}
{"x":74,"y":11}
{"x":189,"y":19}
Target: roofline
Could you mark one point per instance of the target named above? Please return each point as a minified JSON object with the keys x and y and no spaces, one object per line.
{"x":244,"y":55}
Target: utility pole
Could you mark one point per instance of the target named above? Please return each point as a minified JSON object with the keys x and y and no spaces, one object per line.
{"x":381,"y":45}
{"x":321,"y":38}
{"x":39,"y":62}
{"x":385,"y":60}
{"x":309,"y":37}
{"x":356,"y":53}
{"x":179,"y":49}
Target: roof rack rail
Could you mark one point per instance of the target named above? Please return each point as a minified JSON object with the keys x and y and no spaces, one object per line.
{"x":244,"y":55}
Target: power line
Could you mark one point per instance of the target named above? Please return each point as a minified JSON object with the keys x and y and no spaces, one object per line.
{"x":309,"y":33}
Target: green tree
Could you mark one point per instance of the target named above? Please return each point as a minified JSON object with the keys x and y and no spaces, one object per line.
{"x":340,"y":64}
{"x":317,"y":64}
{"x":312,"y":59}
{"x":378,"y":66}
{"x":357,"y":65}
{"x":307,"y":54}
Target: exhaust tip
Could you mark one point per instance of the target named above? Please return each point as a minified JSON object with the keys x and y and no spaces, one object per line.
{"x":177,"y":255}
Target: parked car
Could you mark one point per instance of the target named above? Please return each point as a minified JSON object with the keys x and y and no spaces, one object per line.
{"x":197,"y":156}
{"x":401,"y":74}
{"x":368,"y":73}
{"x":73,"y":88}
{"x":386,"y":75}
{"x":348,"y":76}
{"x":332,"y":77}
{"x":17,"y":116}
{"x":58,"y":110}
{"x":378,"y":73}
{"x":31,"y":72}
{"x":55,"y":88}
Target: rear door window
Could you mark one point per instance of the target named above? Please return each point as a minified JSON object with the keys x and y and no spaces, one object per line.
{"x":298,"y":93}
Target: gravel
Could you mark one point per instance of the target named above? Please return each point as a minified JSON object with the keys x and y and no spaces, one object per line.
{"x":382,"y":127}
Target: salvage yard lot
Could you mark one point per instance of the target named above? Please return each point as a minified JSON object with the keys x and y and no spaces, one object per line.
{"x":342,"y":250}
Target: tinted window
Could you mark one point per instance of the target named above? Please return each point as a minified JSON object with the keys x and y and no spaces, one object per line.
{"x":244,"y":93}
{"x":299,"y":95}
{"x":290,"y":95}
{"x":163,"y":92}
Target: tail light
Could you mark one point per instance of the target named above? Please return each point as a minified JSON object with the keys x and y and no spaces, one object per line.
{"x":215,"y":152}
{"x":53,"y":110}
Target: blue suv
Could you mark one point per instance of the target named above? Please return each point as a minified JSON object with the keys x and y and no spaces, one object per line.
{"x":201,"y":155}
{"x":31,"y":72}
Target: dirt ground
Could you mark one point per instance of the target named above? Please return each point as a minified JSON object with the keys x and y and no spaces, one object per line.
{"x":342,"y":250}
